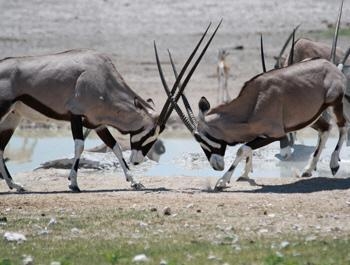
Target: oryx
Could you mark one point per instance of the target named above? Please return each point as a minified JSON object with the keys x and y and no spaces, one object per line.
{"x":304,"y":49}
{"x":84,"y":88}
{"x":269,"y":106}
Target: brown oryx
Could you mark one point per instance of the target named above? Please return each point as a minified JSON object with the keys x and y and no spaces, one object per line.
{"x":268,"y":107}
{"x":84,"y":88}
{"x":305,"y":49}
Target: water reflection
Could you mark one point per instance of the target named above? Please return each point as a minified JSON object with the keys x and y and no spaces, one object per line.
{"x":184,"y":157}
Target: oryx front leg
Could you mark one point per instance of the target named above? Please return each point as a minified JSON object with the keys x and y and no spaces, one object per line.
{"x":77,"y":132}
{"x":109,"y":140}
{"x":341,"y":123}
{"x":323,"y":128}
{"x":244,"y":152}
{"x":7,"y":128}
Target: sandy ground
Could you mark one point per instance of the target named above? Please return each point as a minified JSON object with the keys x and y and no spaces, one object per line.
{"x":126,"y":30}
{"x":313,"y":208}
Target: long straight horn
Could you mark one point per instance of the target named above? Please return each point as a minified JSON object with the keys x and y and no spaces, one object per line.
{"x":262,"y":53}
{"x":285,"y":46}
{"x":291,"y":54}
{"x":335,"y":38}
{"x":188,"y":124}
{"x":188,"y":77}
{"x":346,"y":56}
{"x":187,"y":105}
{"x":162,"y":117}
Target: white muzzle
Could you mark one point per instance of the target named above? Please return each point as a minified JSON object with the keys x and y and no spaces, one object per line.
{"x":217,"y":162}
{"x":136,"y":157}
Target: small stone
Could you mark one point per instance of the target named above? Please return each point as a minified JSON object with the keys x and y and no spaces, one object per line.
{"x":163,"y":262}
{"x":3,"y":219}
{"x":284,"y":244}
{"x":27,"y":260}
{"x":154,"y":209}
{"x":140,"y":258}
{"x":310,"y":238}
{"x":52,"y":222}
{"x":143,"y":224}
{"x":212,"y":257}
{"x":263,"y":231}
{"x":190,"y":206}
{"x":199,"y":210}
{"x":75,"y":231}
{"x":167,"y":211}
{"x":55,"y":263}
{"x":13,"y":236}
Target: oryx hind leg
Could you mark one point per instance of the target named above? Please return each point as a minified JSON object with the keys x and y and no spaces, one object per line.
{"x":109,"y":140}
{"x":323,"y":127}
{"x":77,"y":132}
{"x":244,"y":152}
{"x":341,"y":123}
{"x":7,"y":128}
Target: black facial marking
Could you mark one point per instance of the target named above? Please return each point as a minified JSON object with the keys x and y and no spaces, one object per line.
{"x":139,"y":145}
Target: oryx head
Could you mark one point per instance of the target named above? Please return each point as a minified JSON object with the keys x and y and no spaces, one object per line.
{"x":213,"y":148}
{"x":142,"y":140}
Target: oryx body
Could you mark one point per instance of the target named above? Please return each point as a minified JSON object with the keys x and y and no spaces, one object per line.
{"x":269,"y":106}
{"x":79,"y":86}
{"x":84,"y":88}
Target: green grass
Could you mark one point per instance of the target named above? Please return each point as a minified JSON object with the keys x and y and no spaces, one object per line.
{"x":329,"y":33}
{"x":116,"y":236}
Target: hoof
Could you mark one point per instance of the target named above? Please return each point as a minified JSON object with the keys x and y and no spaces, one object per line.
{"x":137,"y":186}
{"x":74,"y":188}
{"x":21,"y":190}
{"x":243,"y":179}
{"x":306,"y":175}
{"x":334,"y":170}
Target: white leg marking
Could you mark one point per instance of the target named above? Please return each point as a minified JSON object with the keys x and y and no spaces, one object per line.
{"x":78,"y":150}
{"x":243,"y":152}
{"x":118,"y":152}
{"x":322,"y":139}
{"x":10,"y":183}
{"x":334,"y":164}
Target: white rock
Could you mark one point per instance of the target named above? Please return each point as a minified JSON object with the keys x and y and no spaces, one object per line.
{"x":140,"y":258}
{"x":75,"y":231}
{"x":284,"y":244}
{"x":52,"y":222}
{"x":13,"y":236}
{"x":55,"y":263}
{"x":27,"y":260}
{"x":163,"y":262}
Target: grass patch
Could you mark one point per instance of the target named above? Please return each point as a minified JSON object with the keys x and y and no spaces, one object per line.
{"x":115,"y":236}
{"x":329,"y":33}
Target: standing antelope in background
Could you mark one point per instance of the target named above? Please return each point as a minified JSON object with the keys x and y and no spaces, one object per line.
{"x":84,"y":88}
{"x":222,"y":71}
{"x":265,"y":111}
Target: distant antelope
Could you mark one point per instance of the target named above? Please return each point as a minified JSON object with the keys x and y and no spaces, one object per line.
{"x":268,"y":107}
{"x":222,"y":71}
{"x":84,"y":88}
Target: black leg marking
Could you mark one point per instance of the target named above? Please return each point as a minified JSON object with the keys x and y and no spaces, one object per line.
{"x":260,"y":142}
{"x":106,"y":137}
{"x":77,"y":127}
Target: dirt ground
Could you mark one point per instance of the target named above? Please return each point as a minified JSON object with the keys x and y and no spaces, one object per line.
{"x":313,"y":208}
{"x":126,"y":30}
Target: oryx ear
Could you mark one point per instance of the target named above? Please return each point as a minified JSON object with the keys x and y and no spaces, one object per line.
{"x":138,"y":104}
{"x":204,"y":106}
{"x":151,"y":102}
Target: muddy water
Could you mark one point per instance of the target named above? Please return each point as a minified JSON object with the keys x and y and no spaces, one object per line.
{"x":182,"y":158}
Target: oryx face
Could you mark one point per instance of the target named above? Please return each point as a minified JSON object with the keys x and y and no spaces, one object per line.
{"x":214,"y":149}
{"x":141,"y":142}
